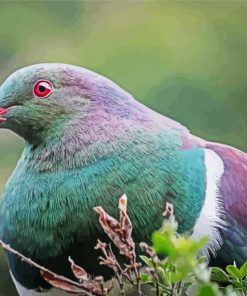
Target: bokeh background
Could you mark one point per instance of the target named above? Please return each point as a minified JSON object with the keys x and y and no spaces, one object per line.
{"x":187,"y":60}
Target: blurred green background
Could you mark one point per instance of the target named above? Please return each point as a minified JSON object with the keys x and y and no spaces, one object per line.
{"x":184,"y":59}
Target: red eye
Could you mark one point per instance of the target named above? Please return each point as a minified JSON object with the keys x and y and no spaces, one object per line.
{"x":42,"y":88}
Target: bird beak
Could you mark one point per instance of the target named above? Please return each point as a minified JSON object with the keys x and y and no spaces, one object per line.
{"x":3,"y":111}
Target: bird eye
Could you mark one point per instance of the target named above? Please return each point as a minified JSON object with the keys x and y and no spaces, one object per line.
{"x":43,"y":88}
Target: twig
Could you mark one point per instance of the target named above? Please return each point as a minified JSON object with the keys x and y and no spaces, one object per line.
{"x":42,"y":268}
{"x":154,"y":272}
{"x":119,"y":276}
{"x":120,"y":233}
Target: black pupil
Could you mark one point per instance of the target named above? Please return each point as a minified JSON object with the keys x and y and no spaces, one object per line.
{"x":42,"y":88}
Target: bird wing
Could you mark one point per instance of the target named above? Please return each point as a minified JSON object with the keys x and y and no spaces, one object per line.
{"x":233,"y":191}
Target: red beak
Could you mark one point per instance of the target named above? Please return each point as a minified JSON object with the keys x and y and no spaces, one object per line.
{"x":2,"y":112}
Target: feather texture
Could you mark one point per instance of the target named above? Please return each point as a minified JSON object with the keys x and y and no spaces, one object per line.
{"x":87,"y":144}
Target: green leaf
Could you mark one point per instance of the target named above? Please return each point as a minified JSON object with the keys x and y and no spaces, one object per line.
{"x":243,"y":270}
{"x":219,"y":275}
{"x":146,"y":278}
{"x":238,"y":284}
{"x":188,"y":246}
{"x":163,"y":244}
{"x":176,"y":277}
{"x":147,"y":260}
{"x":163,"y":264}
{"x":163,"y":275}
{"x":233,"y":271}
{"x":208,"y":290}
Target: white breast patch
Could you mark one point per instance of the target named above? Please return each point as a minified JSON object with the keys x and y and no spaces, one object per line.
{"x":210,"y":219}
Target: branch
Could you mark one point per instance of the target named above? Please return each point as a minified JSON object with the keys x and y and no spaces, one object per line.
{"x":56,"y":280}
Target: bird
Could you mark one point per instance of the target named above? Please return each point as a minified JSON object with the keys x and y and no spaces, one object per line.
{"x":88,"y":142}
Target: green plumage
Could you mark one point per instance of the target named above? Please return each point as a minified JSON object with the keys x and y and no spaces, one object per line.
{"x":87,"y":144}
{"x":48,"y":205}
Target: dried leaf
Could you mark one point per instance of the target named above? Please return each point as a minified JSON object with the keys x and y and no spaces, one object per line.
{"x":59,"y":283}
{"x":78,"y":271}
{"x":122,"y":205}
{"x":110,"y":262}
{"x":169,"y":210}
{"x":119,"y":232}
{"x":109,"y":224}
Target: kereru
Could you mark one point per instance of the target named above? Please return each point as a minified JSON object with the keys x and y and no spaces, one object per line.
{"x":87,"y":143}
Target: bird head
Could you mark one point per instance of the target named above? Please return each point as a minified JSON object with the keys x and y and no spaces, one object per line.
{"x":39,"y":101}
